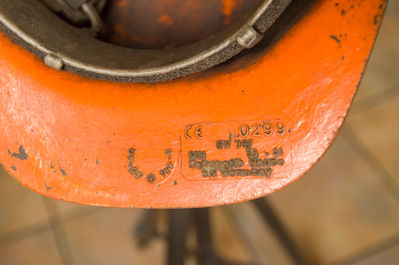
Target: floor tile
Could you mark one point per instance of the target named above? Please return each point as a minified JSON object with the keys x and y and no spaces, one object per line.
{"x":227,"y":241}
{"x":382,"y":72}
{"x":19,"y":207}
{"x":31,"y":251}
{"x":387,"y":257}
{"x":378,"y":129}
{"x":338,"y":208}
{"x":258,"y":238}
{"x":106,"y":237}
{"x":61,"y":207}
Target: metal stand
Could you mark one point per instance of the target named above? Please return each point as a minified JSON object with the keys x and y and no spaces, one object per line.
{"x":179,"y":222}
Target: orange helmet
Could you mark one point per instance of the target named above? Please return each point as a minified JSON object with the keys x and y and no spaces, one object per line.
{"x":230,"y":117}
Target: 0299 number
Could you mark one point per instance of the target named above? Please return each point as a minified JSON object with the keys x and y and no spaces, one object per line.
{"x":261,"y":129}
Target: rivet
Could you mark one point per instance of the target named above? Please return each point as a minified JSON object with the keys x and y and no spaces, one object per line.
{"x":53,"y":61}
{"x":248,"y":37}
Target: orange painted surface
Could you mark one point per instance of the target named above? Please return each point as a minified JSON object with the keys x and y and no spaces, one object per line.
{"x":228,"y":7}
{"x":169,"y":144}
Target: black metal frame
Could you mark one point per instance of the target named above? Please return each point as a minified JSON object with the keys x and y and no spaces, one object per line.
{"x":179,"y":222}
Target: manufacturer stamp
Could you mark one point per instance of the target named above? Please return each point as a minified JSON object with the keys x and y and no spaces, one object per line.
{"x":234,"y":150}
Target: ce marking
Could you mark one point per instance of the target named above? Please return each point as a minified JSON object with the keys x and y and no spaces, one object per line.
{"x":193,"y":131}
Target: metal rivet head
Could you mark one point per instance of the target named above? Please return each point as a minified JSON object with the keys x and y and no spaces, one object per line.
{"x":53,"y":61}
{"x":248,"y":37}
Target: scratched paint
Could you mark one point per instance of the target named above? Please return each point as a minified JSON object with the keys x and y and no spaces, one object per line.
{"x":66,"y":121}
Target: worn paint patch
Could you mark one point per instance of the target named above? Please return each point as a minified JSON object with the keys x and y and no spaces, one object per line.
{"x":166,"y":20}
{"x":21,"y":153}
{"x":48,"y":188}
{"x":228,"y":7}
{"x":338,"y":40}
{"x":63,"y":172}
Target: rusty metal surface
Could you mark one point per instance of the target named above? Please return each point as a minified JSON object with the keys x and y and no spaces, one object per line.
{"x":159,"y":23}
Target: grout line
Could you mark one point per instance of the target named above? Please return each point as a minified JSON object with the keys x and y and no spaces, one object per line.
{"x":389,"y":181}
{"x":369,"y":251}
{"x":376,"y":100}
{"x":59,"y":236}
{"x":43,"y":226}
{"x":22,"y":233}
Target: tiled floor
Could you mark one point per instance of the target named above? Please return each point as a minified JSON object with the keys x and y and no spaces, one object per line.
{"x":351,"y":217}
